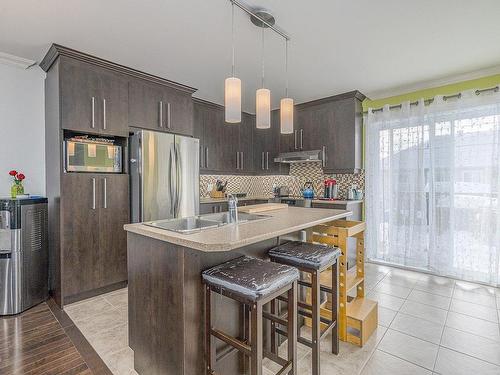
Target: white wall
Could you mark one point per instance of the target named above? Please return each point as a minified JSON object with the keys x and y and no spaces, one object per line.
{"x":22,"y":127}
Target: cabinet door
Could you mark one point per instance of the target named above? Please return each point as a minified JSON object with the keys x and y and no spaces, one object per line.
{"x":79,"y":84}
{"x":206,"y":208}
{"x":344,"y":150}
{"x":246,"y":143}
{"x":198,"y":131}
{"x":228,"y":145}
{"x":82,"y":262}
{"x":113,"y":215}
{"x":146,"y":106}
{"x":260,"y":139}
{"x":113,"y":105}
{"x":212,"y":123}
{"x":178,"y":109}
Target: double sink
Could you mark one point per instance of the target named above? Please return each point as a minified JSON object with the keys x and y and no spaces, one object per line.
{"x":194,"y":224}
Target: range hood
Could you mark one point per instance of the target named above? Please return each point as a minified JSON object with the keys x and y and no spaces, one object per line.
{"x":299,"y":157}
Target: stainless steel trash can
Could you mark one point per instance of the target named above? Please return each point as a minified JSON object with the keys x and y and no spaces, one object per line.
{"x":23,"y":254}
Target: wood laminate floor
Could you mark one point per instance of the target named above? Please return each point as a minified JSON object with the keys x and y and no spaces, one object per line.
{"x":37,"y":343}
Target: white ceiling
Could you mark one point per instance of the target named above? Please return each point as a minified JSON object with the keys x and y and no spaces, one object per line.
{"x":336,"y":46}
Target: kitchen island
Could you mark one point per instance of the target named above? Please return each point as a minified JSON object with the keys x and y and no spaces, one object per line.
{"x":166,"y":295}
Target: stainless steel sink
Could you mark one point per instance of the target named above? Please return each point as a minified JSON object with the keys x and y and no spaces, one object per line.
{"x":184,"y":225}
{"x":197,"y":223}
{"x":225,"y":218}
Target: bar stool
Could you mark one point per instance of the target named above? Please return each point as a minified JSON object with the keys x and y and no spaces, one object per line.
{"x":252,"y":282}
{"x":312,"y":259}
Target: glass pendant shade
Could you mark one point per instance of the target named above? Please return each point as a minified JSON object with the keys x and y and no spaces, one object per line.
{"x":263,"y":109}
{"x":232,"y":100}
{"x":286,"y":115}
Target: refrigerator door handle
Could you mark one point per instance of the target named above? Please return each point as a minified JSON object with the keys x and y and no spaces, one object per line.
{"x":170,"y":184}
{"x":178,"y":184}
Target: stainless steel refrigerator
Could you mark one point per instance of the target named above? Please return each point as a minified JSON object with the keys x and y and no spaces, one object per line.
{"x":164,"y":171}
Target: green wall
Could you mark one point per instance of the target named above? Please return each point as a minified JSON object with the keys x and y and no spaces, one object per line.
{"x":480,"y":83}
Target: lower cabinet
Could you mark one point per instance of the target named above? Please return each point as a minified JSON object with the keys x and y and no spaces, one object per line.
{"x":94,"y":208}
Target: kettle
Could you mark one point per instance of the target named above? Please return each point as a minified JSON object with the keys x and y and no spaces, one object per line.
{"x":308,"y":190}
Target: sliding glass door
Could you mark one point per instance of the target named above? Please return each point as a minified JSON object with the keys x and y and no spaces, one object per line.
{"x":433,"y":177}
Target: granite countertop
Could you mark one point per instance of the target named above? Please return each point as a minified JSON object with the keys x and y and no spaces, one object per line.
{"x":247,"y":198}
{"x":229,"y":237}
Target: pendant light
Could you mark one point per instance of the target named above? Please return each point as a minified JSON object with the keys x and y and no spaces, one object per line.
{"x":232,"y":87}
{"x":286,"y":104}
{"x":263,"y":100}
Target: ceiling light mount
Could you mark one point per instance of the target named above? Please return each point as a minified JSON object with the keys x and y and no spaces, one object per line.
{"x":260,"y":15}
{"x":254,"y":14}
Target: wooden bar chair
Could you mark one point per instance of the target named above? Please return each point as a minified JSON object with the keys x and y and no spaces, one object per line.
{"x":254,"y":283}
{"x":312,"y":259}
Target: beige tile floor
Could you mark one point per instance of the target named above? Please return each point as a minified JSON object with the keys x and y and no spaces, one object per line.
{"x":427,"y":325}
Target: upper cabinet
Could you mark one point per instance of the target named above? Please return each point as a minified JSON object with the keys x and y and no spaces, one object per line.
{"x":93,"y":100}
{"x":156,"y":107}
{"x":334,"y":126}
{"x":103,"y":98}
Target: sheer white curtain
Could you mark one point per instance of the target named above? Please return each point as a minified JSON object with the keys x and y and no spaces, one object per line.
{"x":432,"y":186}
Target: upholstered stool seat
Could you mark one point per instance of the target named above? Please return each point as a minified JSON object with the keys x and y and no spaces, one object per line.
{"x":305,"y":254}
{"x":252,"y":282}
{"x":251,"y":278}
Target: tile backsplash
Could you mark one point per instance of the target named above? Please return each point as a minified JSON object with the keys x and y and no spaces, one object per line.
{"x":300,"y":173}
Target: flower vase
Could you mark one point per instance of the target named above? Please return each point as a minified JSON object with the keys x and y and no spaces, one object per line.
{"x":16,"y":189}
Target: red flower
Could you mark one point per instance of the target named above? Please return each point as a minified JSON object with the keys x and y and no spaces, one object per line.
{"x":13,"y":173}
{"x":21,"y":177}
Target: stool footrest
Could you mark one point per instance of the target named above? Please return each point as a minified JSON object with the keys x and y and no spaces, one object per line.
{"x":241,"y":346}
{"x":307,"y":284}
{"x":274,"y":318}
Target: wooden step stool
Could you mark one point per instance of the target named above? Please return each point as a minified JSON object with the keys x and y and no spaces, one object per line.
{"x":358,"y":317}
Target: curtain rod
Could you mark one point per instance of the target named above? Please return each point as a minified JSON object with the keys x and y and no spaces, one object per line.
{"x":429,"y":101}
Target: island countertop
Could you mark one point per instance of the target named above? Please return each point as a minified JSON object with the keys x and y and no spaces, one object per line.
{"x":229,"y":237}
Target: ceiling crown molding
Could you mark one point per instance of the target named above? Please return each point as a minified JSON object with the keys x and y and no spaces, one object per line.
{"x":17,"y":61}
{"x":430,"y":84}
{"x":57,"y":50}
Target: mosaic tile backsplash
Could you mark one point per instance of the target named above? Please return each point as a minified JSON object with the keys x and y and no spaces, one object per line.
{"x":300,"y":173}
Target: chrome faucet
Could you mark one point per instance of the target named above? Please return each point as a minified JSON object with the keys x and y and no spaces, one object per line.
{"x":233,"y":208}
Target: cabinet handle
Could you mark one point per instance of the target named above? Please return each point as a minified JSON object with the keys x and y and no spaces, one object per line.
{"x":104,"y":114}
{"x":105,"y":204}
{"x":206,"y":157}
{"x":301,"y":138}
{"x":237,"y":160}
{"x":267,"y":160}
{"x":324,"y":156}
{"x":92,"y":124}
{"x":241,"y":159}
{"x":295,"y":139}
{"x":262,"y":161}
{"x":93,"y":193}
{"x":161,"y":114}
{"x":169,"y":124}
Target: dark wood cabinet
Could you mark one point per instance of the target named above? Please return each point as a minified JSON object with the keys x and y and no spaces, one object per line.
{"x":246,"y":143}
{"x":334,"y":126}
{"x":113,"y":214}
{"x":82,"y":264}
{"x":93,"y":100}
{"x":267,"y":148}
{"x":94,"y":208}
{"x":156,"y":107}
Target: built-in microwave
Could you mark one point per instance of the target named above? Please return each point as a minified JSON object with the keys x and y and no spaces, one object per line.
{"x":96,"y":155}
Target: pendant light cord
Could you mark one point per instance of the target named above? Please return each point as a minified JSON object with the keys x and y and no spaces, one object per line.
{"x":263,"y":53}
{"x":232,"y":38}
{"x":286,"y":68}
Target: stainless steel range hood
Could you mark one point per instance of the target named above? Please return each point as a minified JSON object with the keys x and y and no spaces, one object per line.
{"x":299,"y":157}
